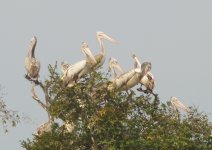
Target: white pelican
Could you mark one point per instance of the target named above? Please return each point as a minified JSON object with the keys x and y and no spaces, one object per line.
{"x":75,"y":71}
{"x":132,"y":77}
{"x":69,"y":126}
{"x":177,"y":104}
{"x":46,"y":127}
{"x":100,"y":58}
{"x":114,"y":67}
{"x":32,"y":64}
{"x":64,"y":66}
{"x":147,"y":80}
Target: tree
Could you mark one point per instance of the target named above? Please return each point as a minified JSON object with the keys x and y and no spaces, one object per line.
{"x":7,"y":117}
{"x":102,"y":119}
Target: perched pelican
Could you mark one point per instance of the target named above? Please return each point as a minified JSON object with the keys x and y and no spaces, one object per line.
{"x":32,"y":64}
{"x":100,"y":58}
{"x":69,"y":126}
{"x":46,"y":127}
{"x":75,"y":71}
{"x":64,"y":66}
{"x":177,"y":104}
{"x":132,"y":77}
{"x":114,"y":67}
{"x":147,"y":80}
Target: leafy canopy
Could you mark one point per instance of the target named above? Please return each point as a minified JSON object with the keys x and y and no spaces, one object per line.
{"x":7,"y":116}
{"x":116,"y":120}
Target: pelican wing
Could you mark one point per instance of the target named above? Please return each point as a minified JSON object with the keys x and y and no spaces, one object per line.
{"x":32,"y":66}
{"x":124,"y":78}
{"x":73,"y":70}
{"x":145,"y":68}
{"x":148,"y":81}
{"x":137,"y":63}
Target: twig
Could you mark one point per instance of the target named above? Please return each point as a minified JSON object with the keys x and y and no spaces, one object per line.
{"x":35,"y":97}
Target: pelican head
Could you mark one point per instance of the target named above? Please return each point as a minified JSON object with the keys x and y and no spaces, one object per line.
{"x":32,"y":45}
{"x":113,"y":64}
{"x":101,"y":35}
{"x":64,"y":66}
{"x":146,"y":66}
{"x":86,"y":50}
{"x":176,"y":103}
{"x":33,"y":40}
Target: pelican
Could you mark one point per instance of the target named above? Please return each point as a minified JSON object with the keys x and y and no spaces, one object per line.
{"x":46,"y":127}
{"x":114,"y":67}
{"x":32,"y":64}
{"x":69,"y":126}
{"x":100,"y":58}
{"x":64,"y":66}
{"x":131,"y":78}
{"x":75,"y":71}
{"x":147,"y":80}
{"x":177,"y":104}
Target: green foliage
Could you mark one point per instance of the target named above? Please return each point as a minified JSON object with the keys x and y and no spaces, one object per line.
{"x":7,"y":117}
{"x":117,"y":120}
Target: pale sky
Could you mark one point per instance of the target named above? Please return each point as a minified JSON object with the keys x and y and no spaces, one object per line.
{"x":175,"y":36}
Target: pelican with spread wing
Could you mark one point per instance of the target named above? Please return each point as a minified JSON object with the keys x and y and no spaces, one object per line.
{"x":32,"y":64}
{"x":75,"y":71}
{"x":129,"y":79}
{"x":147,"y":80}
{"x":176,"y":103}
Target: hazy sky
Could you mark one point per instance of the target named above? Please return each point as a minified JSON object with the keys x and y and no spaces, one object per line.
{"x":175,"y":35}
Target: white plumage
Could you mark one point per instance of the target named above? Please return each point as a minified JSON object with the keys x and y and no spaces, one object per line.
{"x":131,"y":78}
{"x":100,"y":58}
{"x":75,"y":71}
{"x":176,"y":103}
{"x":147,"y":80}
{"x":32,"y":64}
{"x":46,"y":127}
